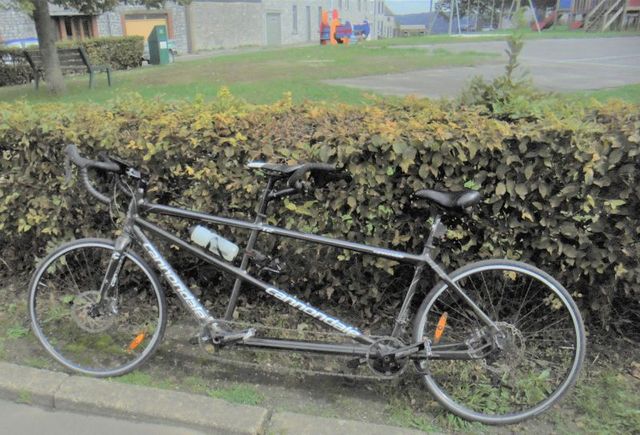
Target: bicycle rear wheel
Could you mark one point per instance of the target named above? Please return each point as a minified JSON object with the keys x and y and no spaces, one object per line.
{"x":109,"y":340}
{"x":536,"y":361}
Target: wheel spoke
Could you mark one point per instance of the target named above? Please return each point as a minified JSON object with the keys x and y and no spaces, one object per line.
{"x":87,"y":336}
{"x":537,"y":351}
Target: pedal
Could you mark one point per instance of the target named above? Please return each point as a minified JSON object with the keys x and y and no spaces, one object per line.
{"x":228,"y":337}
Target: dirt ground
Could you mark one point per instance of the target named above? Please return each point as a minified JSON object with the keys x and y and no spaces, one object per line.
{"x":606,"y":399}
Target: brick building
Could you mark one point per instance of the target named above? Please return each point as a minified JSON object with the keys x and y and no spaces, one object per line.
{"x":208,"y":24}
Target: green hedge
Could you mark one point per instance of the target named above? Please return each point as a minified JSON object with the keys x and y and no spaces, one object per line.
{"x":562,"y":193}
{"x":14,"y":69}
{"x":121,"y":52}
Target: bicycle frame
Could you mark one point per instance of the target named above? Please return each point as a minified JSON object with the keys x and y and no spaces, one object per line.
{"x":133,"y":230}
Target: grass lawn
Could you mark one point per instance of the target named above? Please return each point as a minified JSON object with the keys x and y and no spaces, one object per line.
{"x":629,"y":93}
{"x":259,"y":76}
{"x":264,"y":75}
{"x":501,"y":35}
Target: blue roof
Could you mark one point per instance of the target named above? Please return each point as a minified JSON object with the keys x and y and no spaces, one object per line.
{"x":440,"y":24}
{"x":23,"y":42}
{"x":412,"y":19}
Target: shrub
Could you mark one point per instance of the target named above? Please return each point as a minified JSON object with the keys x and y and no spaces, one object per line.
{"x":561,"y":192}
{"x":121,"y":52}
{"x":14,"y":69}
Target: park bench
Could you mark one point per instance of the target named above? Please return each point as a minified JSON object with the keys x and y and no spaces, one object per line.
{"x":72,"y":60}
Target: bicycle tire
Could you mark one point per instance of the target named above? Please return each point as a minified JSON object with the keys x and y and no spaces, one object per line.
{"x":80,"y":340}
{"x":492,"y":389}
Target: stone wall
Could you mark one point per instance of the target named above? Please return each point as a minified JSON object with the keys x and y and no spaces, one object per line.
{"x":218,"y":24}
{"x":235,"y":23}
{"x":110,"y":23}
{"x":15,"y":24}
{"x":211,"y":24}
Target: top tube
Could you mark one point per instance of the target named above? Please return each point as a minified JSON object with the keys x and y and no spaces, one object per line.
{"x":338,"y":243}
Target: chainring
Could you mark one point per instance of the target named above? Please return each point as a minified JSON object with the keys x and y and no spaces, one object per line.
{"x":386,"y":366}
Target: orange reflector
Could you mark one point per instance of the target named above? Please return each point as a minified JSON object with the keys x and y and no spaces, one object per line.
{"x":136,"y":341}
{"x":442,"y":322}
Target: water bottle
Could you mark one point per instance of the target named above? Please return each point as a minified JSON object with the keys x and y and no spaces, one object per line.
{"x":214,"y":242}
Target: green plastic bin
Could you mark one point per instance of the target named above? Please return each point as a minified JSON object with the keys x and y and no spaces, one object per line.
{"x":158,"y":46}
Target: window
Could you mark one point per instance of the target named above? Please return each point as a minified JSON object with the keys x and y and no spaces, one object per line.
{"x":359,"y":5}
{"x":294,"y":12}
{"x":346,"y":4}
{"x":75,"y":27}
{"x":340,"y":4}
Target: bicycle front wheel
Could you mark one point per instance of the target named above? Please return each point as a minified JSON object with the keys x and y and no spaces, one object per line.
{"x":100,"y":340}
{"x":516,"y":374}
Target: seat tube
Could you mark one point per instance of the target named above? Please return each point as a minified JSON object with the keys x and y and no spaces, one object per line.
{"x":253,"y":236}
{"x":403,"y":315}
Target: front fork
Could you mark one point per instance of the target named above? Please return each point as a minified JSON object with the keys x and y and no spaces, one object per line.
{"x":109,"y":285}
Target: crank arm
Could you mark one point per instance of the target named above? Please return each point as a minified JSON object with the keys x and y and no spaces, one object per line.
{"x":412,"y":349}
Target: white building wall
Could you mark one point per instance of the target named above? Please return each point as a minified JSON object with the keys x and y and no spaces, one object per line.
{"x":210,"y":24}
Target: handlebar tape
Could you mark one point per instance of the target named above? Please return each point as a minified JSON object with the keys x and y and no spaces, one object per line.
{"x":72,"y":152}
{"x":84,"y":165}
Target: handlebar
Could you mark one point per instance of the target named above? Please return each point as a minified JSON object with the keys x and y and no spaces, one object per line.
{"x":85,"y":164}
{"x":314,"y":169}
{"x":81,"y":162}
{"x":321,"y":172}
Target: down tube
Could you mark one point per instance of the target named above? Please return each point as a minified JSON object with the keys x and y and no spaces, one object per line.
{"x":243,"y":275}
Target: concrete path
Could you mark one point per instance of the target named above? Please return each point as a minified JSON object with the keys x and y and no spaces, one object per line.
{"x":20,"y":419}
{"x":74,"y":403}
{"x":561,"y":65}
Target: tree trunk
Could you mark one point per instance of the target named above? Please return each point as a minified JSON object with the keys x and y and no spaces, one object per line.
{"x":47,"y":43}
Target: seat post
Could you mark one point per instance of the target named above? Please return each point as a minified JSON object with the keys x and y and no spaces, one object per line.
{"x":437,"y":231}
{"x":261,"y":209}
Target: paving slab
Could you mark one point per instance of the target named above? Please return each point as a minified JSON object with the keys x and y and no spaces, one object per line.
{"x":25,"y":384}
{"x":289,"y":423}
{"x":559,"y":65}
{"x":155,"y":405}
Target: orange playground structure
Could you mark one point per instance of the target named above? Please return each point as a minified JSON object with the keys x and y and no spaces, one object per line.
{"x":333,"y":32}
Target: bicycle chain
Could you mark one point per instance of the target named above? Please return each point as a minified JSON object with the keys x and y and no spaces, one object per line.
{"x":283,"y":369}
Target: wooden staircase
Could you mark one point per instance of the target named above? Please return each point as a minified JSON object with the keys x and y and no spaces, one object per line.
{"x":604,"y":15}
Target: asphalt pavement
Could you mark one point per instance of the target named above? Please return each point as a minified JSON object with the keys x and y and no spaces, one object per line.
{"x":560,"y":65}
